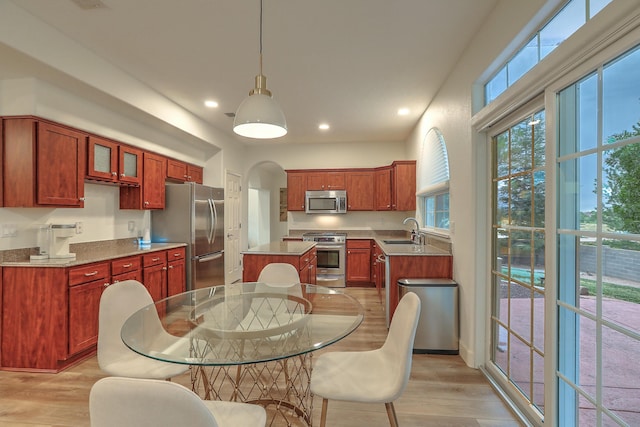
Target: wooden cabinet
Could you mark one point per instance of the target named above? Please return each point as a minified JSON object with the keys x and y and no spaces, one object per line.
{"x":252,"y":264}
{"x":404,"y":185}
{"x":128,"y":268}
{"x":308,"y":267}
{"x":183,"y":172}
{"x":378,"y":269}
{"x":151,"y":194}
{"x":330,"y":180}
{"x":44,"y":164}
{"x":360,"y":190}
{"x":383,"y":198}
{"x":176,"y":271}
{"x":296,"y":188}
{"x":396,"y":186}
{"x":358,"y":261}
{"x":154,"y":274}
{"x":111,"y":161}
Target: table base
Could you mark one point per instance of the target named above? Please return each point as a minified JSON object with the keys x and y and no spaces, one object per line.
{"x":282,"y":387}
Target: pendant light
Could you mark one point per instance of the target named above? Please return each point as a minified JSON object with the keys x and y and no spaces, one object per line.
{"x":259,"y":115}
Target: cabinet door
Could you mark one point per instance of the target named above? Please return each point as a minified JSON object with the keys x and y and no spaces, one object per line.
{"x":176,"y":277}
{"x":325,"y":181}
{"x":155,"y":280}
{"x":84,"y":306}
{"x":102,"y":159}
{"x":194,"y":174}
{"x":177,"y":170}
{"x":296,"y":187}
{"x":130,"y":165}
{"x":404,"y":186}
{"x":360,"y":190}
{"x":153,"y":184}
{"x":60,"y":165}
{"x":383,"y":189}
{"x":358,"y":265}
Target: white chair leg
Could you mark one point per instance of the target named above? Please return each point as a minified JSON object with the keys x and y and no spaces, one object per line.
{"x":323,"y":415}
{"x":391,"y":413}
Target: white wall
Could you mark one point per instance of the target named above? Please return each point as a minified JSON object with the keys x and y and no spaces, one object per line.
{"x":451,"y":112}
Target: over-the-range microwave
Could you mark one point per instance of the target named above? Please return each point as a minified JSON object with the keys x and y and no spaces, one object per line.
{"x":326,"y":202}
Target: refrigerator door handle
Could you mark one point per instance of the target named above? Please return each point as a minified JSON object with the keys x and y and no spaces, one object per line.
{"x":213,"y":213}
{"x":210,"y":257}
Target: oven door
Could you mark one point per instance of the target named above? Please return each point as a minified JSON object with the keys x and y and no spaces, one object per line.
{"x":331,"y":259}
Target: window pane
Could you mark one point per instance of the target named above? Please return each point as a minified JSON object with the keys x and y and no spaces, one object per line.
{"x":596,"y":6}
{"x":621,"y":98}
{"x":523,"y":61}
{"x":496,"y":85}
{"x":578,"y":116}
{"x":502,"y":154}
{"x":538,"y":381}
{"x":521,"y":147}
{"x":565,"y":23}
{"x":520,"y":311}
{"x":538,"y":139}
{"x":538,"y":320}
{"x":500,"y":356}
{"x":588,"y":356}
{"x":520,"y":364}
{"x":539,"y":198}
{"x":621,"y":192}
{"x":620,"y":391}
{"x":520,"y":203}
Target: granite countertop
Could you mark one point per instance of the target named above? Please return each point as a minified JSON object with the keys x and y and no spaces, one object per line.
{"x":281,"y":248}
{"x":86,"y":253}
{"x":434,"y":245}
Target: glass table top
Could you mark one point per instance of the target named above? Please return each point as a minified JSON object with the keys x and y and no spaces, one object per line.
{"x":242,"y":323}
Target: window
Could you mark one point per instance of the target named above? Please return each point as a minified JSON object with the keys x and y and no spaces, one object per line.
{"x":433,"y":182}
{"x":518,"y":249}
{"x":598,"y":234}
{"x":566,"y":22}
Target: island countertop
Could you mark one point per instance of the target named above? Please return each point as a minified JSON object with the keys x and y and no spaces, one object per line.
{"x":281,"y":248}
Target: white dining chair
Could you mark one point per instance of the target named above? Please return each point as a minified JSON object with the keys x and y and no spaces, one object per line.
{"x":119,"y":301}
{"x":374,"y":376}
{"x":279,"y":274}
{"x":136,"y":402}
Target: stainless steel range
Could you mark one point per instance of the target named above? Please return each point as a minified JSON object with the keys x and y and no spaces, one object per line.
{"x":331,"y":249}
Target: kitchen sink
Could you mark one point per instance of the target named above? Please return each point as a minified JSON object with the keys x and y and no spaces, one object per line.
{"x":399,"y":242}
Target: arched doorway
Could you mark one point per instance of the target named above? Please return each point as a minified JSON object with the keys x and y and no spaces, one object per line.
{"x":266,"y":221}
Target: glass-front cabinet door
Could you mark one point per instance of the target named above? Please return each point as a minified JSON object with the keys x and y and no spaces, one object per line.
{"x":103,"y":159}
{"x":130,"y":166}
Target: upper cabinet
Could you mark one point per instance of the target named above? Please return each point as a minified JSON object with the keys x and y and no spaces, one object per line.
{"x":151,"y":194}
{"x":326,"y":180}
{"x":360,"y":190}
{"x":183,"y":172}
{"x":385,"y":188}
{"x":113,"y":162}
{"x":44,"y":163}
{"x":296,"y":187}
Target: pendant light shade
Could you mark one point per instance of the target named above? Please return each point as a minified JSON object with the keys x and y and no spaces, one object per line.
{"x":259,"y":115}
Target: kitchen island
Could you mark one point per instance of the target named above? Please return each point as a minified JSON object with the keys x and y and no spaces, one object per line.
{"x":302,"y":255}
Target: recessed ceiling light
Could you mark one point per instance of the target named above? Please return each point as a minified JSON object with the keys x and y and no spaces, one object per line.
{"x":211,"y":104}
{"x":323,"y":126}
{"x":403,"y":111}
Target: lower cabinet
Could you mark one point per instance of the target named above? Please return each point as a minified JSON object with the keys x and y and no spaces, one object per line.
{"x":50,"y":315}
{"x":359,"y":262}
{"x":154,"y":274}
{"x":252,"y":264}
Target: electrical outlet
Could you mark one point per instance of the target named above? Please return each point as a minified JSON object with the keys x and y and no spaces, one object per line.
{"x":9,"y":230}
{"x":132,"y":225}
{"x":79,"y":228}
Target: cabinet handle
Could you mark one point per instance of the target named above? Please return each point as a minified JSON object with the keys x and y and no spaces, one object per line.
{"x":171,"y":266}
{"x":107,"y":284}
{"x":93,"y":273}
{"x":146,"y":203}
{"x":155,"y":259}
{"x":164,"y":268}
{"x":127,"y":265}
{"x":114,"y":173}
{"x":176,"y":254}
{"x":122,"y":175}
{"x":81,"y":199}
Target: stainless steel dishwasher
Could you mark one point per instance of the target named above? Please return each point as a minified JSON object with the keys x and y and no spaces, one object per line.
{"x":438,"y":327}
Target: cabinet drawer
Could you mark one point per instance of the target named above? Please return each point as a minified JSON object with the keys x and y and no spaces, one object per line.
{"x":88,"y":273}
{"x":154,"y":258}
{"x":359,"y":244}
{"x":125,"y":265}
{"x":175,"y":254}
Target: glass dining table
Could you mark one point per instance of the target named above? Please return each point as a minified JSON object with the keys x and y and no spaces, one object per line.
{"x":248,"y":342}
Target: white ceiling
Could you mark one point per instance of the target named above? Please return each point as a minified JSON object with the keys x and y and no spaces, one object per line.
{"x":350,"y":63}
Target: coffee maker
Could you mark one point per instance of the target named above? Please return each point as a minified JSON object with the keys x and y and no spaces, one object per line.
{"x":59,"y":243}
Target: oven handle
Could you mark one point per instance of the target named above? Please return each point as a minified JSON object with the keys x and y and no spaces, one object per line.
{"x":336,"y":246}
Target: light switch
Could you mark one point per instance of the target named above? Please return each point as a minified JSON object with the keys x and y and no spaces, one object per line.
{"x":9,"y":230}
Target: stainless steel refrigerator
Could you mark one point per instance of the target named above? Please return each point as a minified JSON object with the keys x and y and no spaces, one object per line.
{"x":194,"y":214}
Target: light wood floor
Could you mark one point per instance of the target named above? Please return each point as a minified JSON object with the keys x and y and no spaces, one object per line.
{"x":442,"y":390}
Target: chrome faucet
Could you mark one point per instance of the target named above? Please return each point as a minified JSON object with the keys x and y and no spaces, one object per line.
{"x":415,"y":233}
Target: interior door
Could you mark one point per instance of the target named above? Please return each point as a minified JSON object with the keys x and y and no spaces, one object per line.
{"x":233,"y":214}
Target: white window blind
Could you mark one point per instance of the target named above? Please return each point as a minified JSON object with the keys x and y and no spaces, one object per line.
{"x":434,"y":164}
